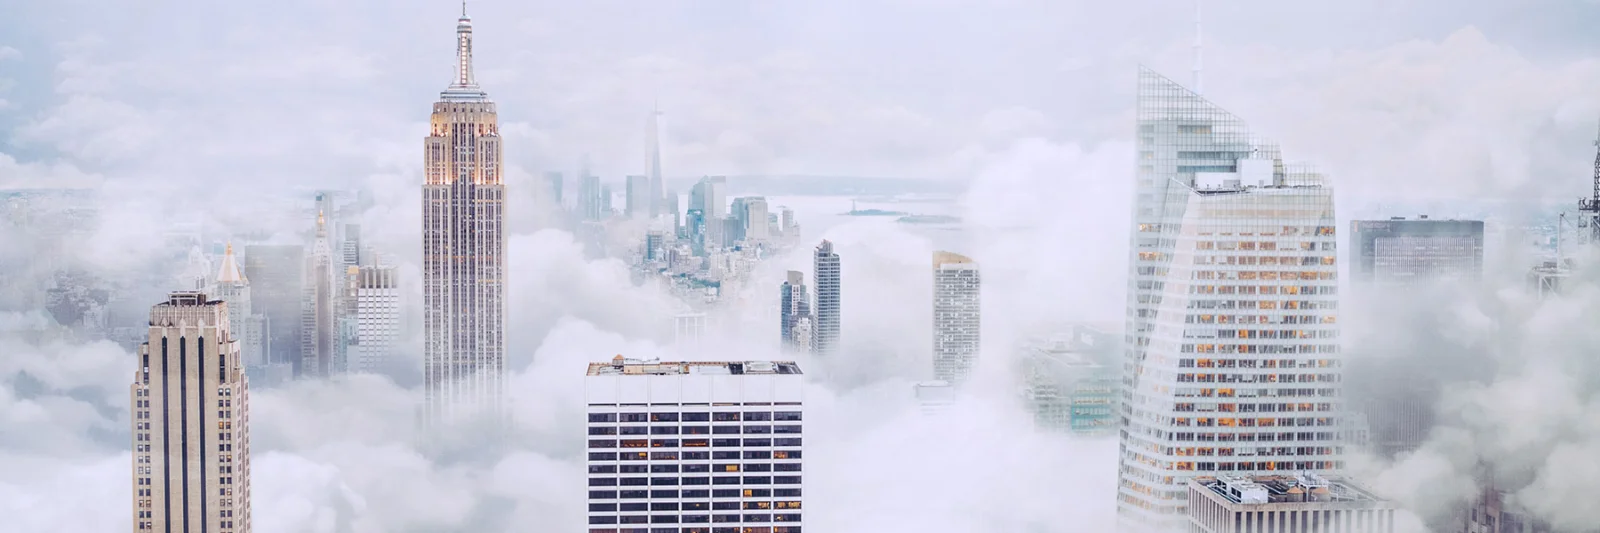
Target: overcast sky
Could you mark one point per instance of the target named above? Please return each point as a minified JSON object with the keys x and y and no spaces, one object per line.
{"x":1424,"y":98}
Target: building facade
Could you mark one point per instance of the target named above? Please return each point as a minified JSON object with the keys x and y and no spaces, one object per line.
{"x":1400,"y":251}
{"x":463,"y":250}
{"x":1067,"y":390}
{"x":957,"y":313}
{"x":377,"y":311}
{"x":1302,"y":503}
{"x":825,"y":268}
{"x":1232,"y":350}
{"x":637,"y":204}
{"x":321,"y":343}
{"x":695,"y":447}
{"x":191,"y":421}
{"x":794,"y":308}
{"x":249,"y":327}
{"x":277,"y":287}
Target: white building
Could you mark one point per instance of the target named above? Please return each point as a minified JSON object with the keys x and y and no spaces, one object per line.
{"x":689,"y":330}
{"x":708,"y":447}
{"x":956,"y":313}
{"x":191,"y":421}
{"x":1302,"y":503}
{"x":377,"y":317}
{"x":934,"y":397}
{"x":1233,"y":362}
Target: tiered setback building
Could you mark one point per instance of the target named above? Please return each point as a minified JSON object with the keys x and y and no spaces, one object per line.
{"x":463,"y":251}
{"x":695,"y":447}
{"x":191,"y":421}
{"x":1305,"y":503}
{"x":1233,"y":362}
{"x":956,"y":317}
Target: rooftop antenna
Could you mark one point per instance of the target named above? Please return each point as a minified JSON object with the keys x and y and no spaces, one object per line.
{"x":1198,"y":86}
{"x":1590,"y":207}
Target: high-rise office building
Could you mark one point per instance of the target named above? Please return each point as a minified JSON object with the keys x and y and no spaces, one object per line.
{"x":709,"y":195}
{"x":654,"y":246}
{"x":1398,"y":251}
{"x":638,"y":201}
{"x":669,"y":207}
{"x":350,"y":248}
{"x":377,"y":312}
{"x":658,"y":194}
{"x":191,"y":421}
{"x":591,"y":195}
{"x":751,"y":212}
{"x":608,"y":201}
{"x":552,"y":188}
{"x":1068,"y":390}
{"x":794,"y":308}
{"x":320,"y":342}
{"x":277,"y":288}
{"x":463,"y":250}
{"x":712,"y":447}
{"x":956,"y":317}
{"x":1233,"y":363}
{"x":825,"y":270}
{"x":1285,"y":503}
{"x":249,"y":328}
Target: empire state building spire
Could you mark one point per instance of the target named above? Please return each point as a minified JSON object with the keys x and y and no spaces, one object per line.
{"x":465,"y":86}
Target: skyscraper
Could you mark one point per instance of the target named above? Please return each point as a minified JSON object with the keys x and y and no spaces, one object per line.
{"x":638,"y":202}
{"x":553,"y":185}
{"x":794,"y":308}
{"x":825,"y":268}
{"x":1287,"y":503}
{"x":670,"y":470}
{"x":277,"y":288}
{"x":191,"y":421}
{"x":657,"y":189}
{"x":377,"y":312}
{"x":709,"y":195}
{"x":248,"y":327}
{"x":320,"y":342}
{"x":350,"y":247}
{"x":593,"y":204}
{"x":1233,"y":361}
{"x":463,"y":249}
{"x":1399,"y":251}
{"x":956,"y":317}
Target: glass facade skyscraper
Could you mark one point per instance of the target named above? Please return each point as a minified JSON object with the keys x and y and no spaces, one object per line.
{"x":1232,"y":350}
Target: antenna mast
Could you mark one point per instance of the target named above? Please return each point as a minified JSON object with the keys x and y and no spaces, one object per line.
{"x":1589,"y":208}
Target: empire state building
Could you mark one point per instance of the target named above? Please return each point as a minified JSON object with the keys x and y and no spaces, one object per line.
{"x":463,"y":251}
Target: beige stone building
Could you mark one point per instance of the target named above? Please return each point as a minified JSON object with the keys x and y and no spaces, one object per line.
{"x":191,"y":437}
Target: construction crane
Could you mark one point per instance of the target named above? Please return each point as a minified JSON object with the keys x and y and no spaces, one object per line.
{"x":1589,"y":208}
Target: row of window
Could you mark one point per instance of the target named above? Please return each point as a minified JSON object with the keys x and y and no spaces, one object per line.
{"x":689,"y":494}
{"x":1260,"y":348}
{"x":751,"y":529}
{"x":692,"y":443}
{"x":1254,"y":363}
{"x":1186,"y":392}
{"x":719,"y":416}
{"x":753,"y":518}
{"x":1252,"y":407}
{"x":608,"y":507}
{"x":1280,"y":450}
{"x":694,"y":456}
{"x":1256,"y":378}
{"x":695,"y":430}
{"x":693,"y":468}
{"x":696,"y":480}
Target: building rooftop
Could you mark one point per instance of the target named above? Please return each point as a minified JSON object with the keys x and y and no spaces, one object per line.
{"x":1284,"y":489}
{"x":621,"y":366}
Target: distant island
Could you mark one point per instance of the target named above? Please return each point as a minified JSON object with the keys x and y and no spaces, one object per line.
{"x":929,"y":219}
{"x":875,"y":213}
